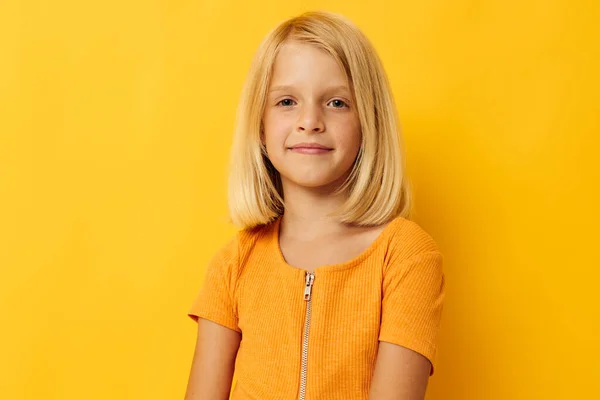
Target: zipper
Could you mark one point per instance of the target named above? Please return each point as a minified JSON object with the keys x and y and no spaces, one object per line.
{"x":310,"y":277}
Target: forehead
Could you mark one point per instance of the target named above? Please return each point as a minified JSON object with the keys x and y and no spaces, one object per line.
{"x":299,"y":63}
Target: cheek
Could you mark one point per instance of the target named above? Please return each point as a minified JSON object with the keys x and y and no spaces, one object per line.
{"x":349,"y":135}
{"x":276,"y":128}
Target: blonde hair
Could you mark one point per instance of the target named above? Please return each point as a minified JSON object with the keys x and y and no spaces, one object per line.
{"x":377,"y":187}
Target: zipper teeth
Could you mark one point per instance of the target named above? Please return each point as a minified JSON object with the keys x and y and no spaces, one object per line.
{"x":305,"y":352}
{"x":309,"y":279}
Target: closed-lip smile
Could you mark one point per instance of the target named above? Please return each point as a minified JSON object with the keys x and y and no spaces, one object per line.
{"x":310,"y":146}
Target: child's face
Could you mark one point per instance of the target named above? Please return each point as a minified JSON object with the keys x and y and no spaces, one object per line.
{"x":315,"y":106}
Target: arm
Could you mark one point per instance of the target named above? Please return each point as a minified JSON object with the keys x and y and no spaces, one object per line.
{"x":219,"y":336}
{"x":213,"y":362}
{"x":413,"y":297}
{"x":400,"y":374}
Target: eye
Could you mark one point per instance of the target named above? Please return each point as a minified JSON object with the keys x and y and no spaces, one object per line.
{"x":286,"y":102}
{"x":338,"y":103}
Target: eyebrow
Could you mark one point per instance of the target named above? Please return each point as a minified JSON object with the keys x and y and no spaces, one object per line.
{"x":342,"y":88}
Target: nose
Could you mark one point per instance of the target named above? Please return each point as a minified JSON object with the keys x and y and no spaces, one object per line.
{"x":310,"y":119}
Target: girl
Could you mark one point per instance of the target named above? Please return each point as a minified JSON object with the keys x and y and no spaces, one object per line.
{"x":329,"y":290}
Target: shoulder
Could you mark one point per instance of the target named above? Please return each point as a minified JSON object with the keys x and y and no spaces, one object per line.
{"x":409,"y":239}
{"x":237,"y":248}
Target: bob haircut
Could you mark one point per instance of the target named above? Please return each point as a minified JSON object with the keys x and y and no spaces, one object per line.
{"x":377,"y":188}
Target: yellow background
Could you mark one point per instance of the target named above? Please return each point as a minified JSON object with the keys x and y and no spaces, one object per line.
{"x":115,"y":126}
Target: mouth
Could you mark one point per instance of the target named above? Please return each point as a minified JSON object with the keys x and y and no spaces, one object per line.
{"x":310,"y":150}
{"x":310,"y":146}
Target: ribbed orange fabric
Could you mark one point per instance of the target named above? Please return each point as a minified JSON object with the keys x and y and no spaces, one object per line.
{"x":393,"y":291}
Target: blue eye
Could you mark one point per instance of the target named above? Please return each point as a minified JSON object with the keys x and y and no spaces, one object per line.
{"x":286,"y":102}
{"x":339,"y":103}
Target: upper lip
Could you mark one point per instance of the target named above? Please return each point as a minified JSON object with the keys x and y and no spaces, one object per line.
{"x":310,"y":146}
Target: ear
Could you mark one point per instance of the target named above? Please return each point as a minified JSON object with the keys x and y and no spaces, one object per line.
{"x":263,"y":143}
{"x":262,"y":134}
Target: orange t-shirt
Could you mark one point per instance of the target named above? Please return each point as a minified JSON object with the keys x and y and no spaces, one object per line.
{"x":322,"y":345}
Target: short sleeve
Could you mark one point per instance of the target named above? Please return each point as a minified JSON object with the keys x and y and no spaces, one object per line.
{"x":413,"y":297}
{"x":215,"y":299}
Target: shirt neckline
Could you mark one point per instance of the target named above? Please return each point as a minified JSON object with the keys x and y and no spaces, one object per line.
{"x":387,"y":231}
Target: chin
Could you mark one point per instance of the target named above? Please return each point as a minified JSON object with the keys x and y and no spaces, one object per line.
{"x":315,"y":182}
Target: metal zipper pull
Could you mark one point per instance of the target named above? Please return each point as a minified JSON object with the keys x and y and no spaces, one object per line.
{"x":308,"y":288}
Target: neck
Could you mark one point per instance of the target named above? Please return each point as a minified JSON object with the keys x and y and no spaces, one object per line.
{"x":306,"y":211}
